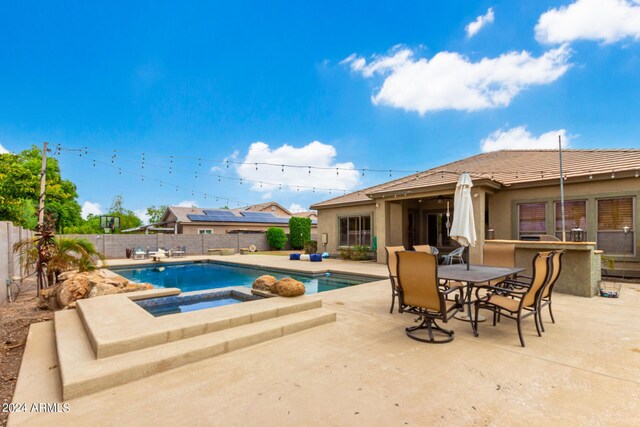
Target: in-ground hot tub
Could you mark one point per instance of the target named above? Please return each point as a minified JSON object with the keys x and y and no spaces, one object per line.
{"x":191,"y":301}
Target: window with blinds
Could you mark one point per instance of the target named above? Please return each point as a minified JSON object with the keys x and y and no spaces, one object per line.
{"x":532,"y":219}
{"x":614,"y":217}
{"x":575,"y":215}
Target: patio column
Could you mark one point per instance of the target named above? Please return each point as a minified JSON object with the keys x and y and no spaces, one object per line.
{"x":380,"y":227}
{"x":479,"y":201}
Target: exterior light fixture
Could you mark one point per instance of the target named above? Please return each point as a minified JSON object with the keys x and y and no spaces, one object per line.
{"x":613,"y":175}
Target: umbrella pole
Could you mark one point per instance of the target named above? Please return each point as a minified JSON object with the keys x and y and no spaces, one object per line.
{"x":468,"y":257}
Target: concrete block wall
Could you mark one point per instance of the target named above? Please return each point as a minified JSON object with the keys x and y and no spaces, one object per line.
{"x":10,"y":262}
{"x":114,"y":246}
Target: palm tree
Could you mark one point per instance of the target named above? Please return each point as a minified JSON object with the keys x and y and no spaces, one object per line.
{"x":60,"y":254}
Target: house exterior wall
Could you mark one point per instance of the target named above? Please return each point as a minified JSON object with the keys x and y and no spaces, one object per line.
{"x":328,"y":222}
{"x":503,"y":206}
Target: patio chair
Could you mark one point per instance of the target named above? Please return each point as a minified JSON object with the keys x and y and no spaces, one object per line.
{"x":499,"y":255}
{"x":520,"y":301}
{"x":139,"y":253}
{"x":420,"y":294}
{"x":455,"y":255}
{"x":545,"y":298}
{"x":392,"y":266}
{"x":179,"y":251}
{"x":446,"y":284}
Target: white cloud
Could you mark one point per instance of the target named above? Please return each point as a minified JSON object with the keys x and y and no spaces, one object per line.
{"x":519,"y":138}
{"x":267,"y":196}
{"x":142,"y":214}
{"x":294,"y":207}
{"x":3,"y":150}
{"x":187,"y":204}
{"x":450,"y":81}
{"x":482,"y":20}
{"x":601,"y":20}
{"x":90,"y":208}
{"x":313,"y":154}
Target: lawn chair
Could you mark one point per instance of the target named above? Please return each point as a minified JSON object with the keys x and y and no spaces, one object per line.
{"x":420,"y":294}
{"x":179,"y":252}
{"x":518,"y":302}
{"x":455,"y":255}
{"x":393,"y":271}
{"x":545,"y":298}
{"x":139,"y":253}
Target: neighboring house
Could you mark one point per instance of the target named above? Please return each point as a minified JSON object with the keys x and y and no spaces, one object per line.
{"x":516,"y":195}
{"x":273,"y":207}
{"x":312,"y":215}
{"x":194,"y":220}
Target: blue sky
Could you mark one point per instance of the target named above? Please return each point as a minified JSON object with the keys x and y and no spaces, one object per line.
{"x":401,"y":85}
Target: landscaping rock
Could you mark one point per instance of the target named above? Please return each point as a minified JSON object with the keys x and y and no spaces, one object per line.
{"x":85,"y":285}
{"x":264,"y":283}
{"x":288,"y":288}
{"x":103,"y":289}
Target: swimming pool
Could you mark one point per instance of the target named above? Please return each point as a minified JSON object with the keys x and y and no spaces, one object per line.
{"x":206,"y":275}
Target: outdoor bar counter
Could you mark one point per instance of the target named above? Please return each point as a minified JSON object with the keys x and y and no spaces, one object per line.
{"x":581,"y":264}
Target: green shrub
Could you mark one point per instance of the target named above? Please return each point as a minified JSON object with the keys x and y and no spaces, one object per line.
{"x":299,"y":231}
{"x":276,"y":238}
{"x":345,"y":253}
{"x":310,"y":246}
{"x":359,"y":253}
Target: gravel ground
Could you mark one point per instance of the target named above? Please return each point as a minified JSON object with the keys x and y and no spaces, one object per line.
{"x":15,"y":319}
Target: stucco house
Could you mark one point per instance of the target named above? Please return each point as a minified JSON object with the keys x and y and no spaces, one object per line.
{"x":516,"y":196}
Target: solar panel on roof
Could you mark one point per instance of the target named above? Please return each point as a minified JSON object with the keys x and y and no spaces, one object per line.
{"x":265,"y":215}
{"x":226,"y":216}
{"x":219,"y":212}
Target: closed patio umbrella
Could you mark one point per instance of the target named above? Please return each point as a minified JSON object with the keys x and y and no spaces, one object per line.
{"x":463,"y":227}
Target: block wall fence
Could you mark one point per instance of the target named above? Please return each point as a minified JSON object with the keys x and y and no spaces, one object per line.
{"x":10,"y":262}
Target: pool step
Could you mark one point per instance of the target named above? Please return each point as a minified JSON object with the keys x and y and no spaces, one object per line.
{"x":116,"y":325}
{"x":82,"y":373}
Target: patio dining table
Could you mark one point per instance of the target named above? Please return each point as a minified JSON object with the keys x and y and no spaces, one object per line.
{"x":475,"y":274}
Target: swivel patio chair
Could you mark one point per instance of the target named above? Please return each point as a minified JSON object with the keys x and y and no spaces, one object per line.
{"x":518,"y":302}
{"x":545,"y":298}
{"x":455,"y":255}
{"x":446,"y":284}
{"x":420,"y":294}
{"x":392,"y":266}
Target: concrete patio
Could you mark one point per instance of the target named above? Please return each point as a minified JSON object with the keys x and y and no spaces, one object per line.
{"x":362,"y":369}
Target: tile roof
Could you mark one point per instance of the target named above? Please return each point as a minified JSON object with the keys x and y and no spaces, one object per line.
{"x":505,"y":168}
{"x":262,"y":206}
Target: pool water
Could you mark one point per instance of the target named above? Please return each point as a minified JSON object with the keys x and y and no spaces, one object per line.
{"x":200,"y":276}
